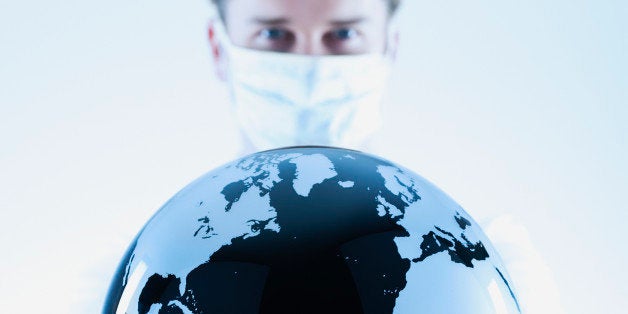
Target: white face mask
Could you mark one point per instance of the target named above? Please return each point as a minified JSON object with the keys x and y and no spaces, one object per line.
{"x":283,"y":99}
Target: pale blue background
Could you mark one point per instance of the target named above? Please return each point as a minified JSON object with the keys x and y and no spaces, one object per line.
{"x":107,"y":108}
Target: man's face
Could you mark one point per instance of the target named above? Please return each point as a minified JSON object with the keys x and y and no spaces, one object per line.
{"x":309,"y":27}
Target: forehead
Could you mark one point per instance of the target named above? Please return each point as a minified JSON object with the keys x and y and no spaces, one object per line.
{"x":306,"y":12}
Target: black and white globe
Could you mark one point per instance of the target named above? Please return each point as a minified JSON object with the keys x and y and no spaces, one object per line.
{"x":311,"y":230}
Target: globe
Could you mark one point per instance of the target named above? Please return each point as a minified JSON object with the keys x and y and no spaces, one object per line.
{"x":311,"y":230}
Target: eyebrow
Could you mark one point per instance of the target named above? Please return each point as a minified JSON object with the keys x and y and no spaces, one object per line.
{"x":348,"y":21}
{"x":284,"y":20}
{"x":270,"y":20}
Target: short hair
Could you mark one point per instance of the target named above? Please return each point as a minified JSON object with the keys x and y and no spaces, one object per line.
{"x":220,"y":4}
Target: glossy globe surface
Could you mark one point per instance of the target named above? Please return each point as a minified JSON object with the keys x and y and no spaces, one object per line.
{"x":311,"y":230}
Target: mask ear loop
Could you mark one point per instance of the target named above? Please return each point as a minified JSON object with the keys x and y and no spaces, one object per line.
{"x":222,"y":46}
{"x":392,"y":37}
{"x":218,"y":27}
{"x":220,"y":31}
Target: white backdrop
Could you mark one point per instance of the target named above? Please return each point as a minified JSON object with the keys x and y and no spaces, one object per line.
{"x":107,"y":108}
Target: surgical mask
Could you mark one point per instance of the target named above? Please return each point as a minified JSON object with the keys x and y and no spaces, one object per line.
{"x":283,"y":99}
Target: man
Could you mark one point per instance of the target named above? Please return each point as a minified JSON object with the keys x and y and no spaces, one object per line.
{"x":309,"y":72}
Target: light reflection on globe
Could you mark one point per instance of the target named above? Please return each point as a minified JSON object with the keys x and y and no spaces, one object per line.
{"x":311,"y":230}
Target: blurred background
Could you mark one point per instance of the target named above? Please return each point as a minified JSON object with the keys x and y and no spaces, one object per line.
{"x":108,"y":108}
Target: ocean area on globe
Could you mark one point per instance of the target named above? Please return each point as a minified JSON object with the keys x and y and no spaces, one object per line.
{"x":311,"y":230}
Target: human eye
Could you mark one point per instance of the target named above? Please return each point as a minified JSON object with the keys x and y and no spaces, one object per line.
{"x":274,"y":39}
{"x":274,"y":33}
{"x":344,"y":40}
{"x":344,"y":34}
